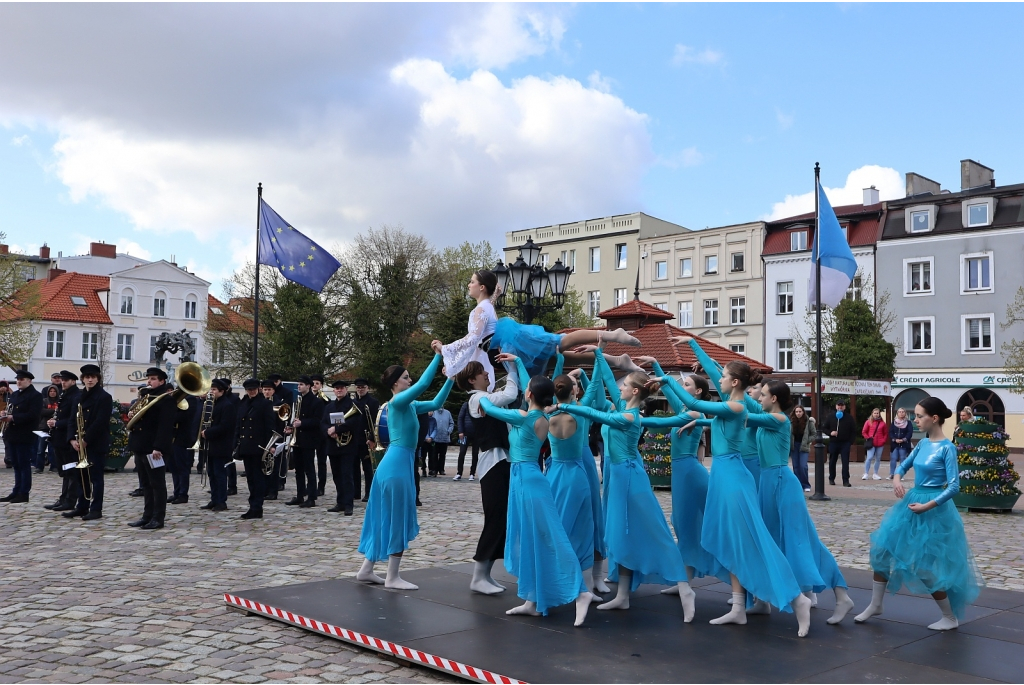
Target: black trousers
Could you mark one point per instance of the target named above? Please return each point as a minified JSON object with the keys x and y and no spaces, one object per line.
{"x":422,"y":456}
{"x":305,"y":473}
{"x":95,"y":476}
{"x":321,"y":466}
{"x":462,"y":457}
{"x":494,"y":495}
{"x":232,"y":470}
{"x":154,"y":489}
{"x":438,"y":452}
{"x":341,"y":472}
{"x":256,"y":481}
{"x":837,"y":450}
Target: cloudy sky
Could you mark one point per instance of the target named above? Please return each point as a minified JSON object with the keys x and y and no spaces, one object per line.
{"x":149,"y":126}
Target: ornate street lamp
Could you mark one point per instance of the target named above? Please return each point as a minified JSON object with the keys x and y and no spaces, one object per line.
{"x":529,"y":282}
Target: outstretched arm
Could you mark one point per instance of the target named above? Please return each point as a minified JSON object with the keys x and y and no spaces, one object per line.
{"x":512,"y":416}
{"x":723,"y":409}
{"x":559,"y":365}
{"x":438,"y":401}
{"x":773,"y":422}
{"x":417,"y":388}
{"x":608,"y":378}
{"x":677,"y":421}
{"x":670,"y":390}
{"x":613,"y":419}
{"x":712,"y":368}
{"x":594,"y":391}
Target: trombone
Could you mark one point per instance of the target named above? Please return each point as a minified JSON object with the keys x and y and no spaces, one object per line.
{"x":83,"y":457}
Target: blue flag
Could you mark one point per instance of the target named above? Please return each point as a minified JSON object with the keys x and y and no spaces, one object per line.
{"x":838,"y":267}
{"x":297,"y":257}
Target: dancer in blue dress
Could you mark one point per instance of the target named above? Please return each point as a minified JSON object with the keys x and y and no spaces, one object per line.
{"x":640,"y":545}
{"x":390,"y":524}
{"x":784,"y":508}
{"x":733,"y":529}
{"x":537,"y":550}
{"x":921,"y":543}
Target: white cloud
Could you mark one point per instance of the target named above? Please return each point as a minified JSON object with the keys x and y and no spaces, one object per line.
{"x":888,"y":181}
{"x":599,"y":82}
{"x":687,"y":157}
{"x":18,"y":141}
{"x":685,"y":54}
{"x":133,"y":248}
{"x":506,"y":33}
{"x":785,"y":120}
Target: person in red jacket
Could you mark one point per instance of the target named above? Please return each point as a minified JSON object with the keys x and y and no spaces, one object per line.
{"x":875,"y":433}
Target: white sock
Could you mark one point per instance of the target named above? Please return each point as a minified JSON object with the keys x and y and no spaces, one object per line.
{"x":582,"y":605}
{"x":737,"y":614}
{"x":843,"y":606}
{"x":760,"y":607}
{"x":621,"y":600}
{"x":688,"y":598}
{"x":948,"y":620}
{"x":528,"y":608}
{"x":481,"y":581}
{"x":875,"y":608}
{"x":588,"y":579}
{"x":802,"y":608}
{"x":601,"y":576}
{"x":393,"y":580}
{"x":366,"y":574}
{"x":813,"y":596}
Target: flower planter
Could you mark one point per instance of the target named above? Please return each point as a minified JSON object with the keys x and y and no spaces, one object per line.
{"x":988,"y":481}
{"x":998,"y":503}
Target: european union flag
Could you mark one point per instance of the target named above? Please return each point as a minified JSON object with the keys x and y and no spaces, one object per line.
{"x":297,"y":257}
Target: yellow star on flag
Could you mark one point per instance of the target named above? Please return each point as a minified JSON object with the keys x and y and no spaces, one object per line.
{"x":279,"y":230}
{"x":310,"y":257}
{"x":302,"y":264}
{"x":291,"y":268}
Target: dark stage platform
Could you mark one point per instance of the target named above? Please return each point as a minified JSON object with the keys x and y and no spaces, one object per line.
{"x":444,"y":626}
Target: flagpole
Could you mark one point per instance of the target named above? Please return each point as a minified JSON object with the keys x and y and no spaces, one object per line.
{"x":819,"y":445}
{"x":256,"y":290}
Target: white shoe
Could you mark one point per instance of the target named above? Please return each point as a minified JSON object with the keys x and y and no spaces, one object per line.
{"x":864,"y":477}
{"x":807,"y":489}
{"x":472,"y":477}
{"x":876,"y":477}
{"x":458,"y":476}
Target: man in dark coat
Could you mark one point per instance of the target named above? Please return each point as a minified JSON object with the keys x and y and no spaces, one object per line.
{"x":96,"y":406}
{"x":220,"y":438}
{"x":277,"y":480}
{"x":151,"y":440}
{"x":370,"y":406}
{"x":337,"y":430}
{"x":281,"y":392}
{"x":61,"y":431}
{"x":307,"y":426}
{"x":22,"y":417}
{"x":185,"y":435}
{"x":841,"y":430}
{"x":255,"y":422}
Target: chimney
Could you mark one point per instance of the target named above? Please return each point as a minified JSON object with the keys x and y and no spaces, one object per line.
{"x":53,"y":273}
{"x":870,"y":196}
{"x":103,"y":250}
{"x":975,"y":175}
{"x":4,"y":249}
{"x":44,"y":252}
{"x":919,"y":185}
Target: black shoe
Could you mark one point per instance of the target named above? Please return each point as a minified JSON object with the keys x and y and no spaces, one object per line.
{"x":18,"y":499}
{"x":92,"y":516}
{"x":365,"y":499}
{"x":348,"y":512}
{"x":56,"y":504}
{"x":232,"y":491}
{"x":74,"y":513}
{"x":137,"y":492}
{"x":208,"y":505}
{"x":219,"y":507}
{"x":308,"y":504}
{"x":336,"y":509}
{"x":180,"y":499}
{"x":419,"y":503}
{"x":252,"y":515}
{"x":170,"y":499}
{"x":40,"y":470}
{"x":847,"y":485}
{"x":65,"y":506}
{"x":831,"y":482}
{"x":140,"y":523}
{"x":153,"y":525}
{"x":320,"y":492}
{"x":293,"y":501}
{"x":274,"y":496}
{"x":8,"y":498}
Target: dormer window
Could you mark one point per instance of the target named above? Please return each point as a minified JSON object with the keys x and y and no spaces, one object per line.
{"x":798,"y":241}
{"x":978,"y":212}
{"x":919,"y":221}
{"x":977,"y":215}
{"x":921,"y":218}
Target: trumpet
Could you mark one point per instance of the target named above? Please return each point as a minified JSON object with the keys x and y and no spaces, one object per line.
{"x":192,"y":379}
{"x":83,"y":457}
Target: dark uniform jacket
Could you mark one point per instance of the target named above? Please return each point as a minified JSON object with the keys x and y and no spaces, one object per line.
{"x":254,"y":424}
{"x":354,"y":427}
{"x":155,"y":429}
{"x":370,"y":406}
{"x":221,"y":434}
{"x":184,"y":431}
{"x":283,"y":395}
{"x":25,"y":408}
{"x":65,"y":426}
{"x":97,"y":406}
{"x":309,"y":432}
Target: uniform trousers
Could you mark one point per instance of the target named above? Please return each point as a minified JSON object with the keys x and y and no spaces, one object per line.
{"x":180,"y":468}
{"x":362,"y":463}
{"x":321,"y":467}
{"x":438,"y":453}
{"x":231,"y":469}
{"x":341,"y":472}
{"x":256,"y":481}
{"x":154,"y":489}
{"x":95,"y":476}
{"x":305,"y":473}
{"x":21,"y":457}
{"x":217,"y":474}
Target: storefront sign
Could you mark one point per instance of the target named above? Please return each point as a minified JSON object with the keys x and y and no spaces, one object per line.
{"x":847,"y":386}
{"x":953,"y":380}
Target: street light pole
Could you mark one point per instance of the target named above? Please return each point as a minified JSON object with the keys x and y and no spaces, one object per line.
{"x":529,"y":282}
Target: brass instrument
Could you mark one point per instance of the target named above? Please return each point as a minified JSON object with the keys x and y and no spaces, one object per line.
{"x":323,"y":396}
{"x":268,"y":453}
{"x":204,"y":423}
{"x":378,"y":452}
{"x":83,"y":458}
{"x":284,"y":412}
{"x":343,"y":439}
{"x":296,"y":411}
{"x":368,"y":432}
{"x":191,"y":378}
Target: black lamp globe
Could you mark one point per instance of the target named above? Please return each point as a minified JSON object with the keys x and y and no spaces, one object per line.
{"x":503,"y":275}
{"x":520,"y":275}
{"x":558,"y":278}
{"x":529,"y":252}
{"x":538,"y":283}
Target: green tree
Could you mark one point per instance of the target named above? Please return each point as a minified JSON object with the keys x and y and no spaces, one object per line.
{"x":573,"y":313}
{"x":19,"y":305}
{"x":1013,"y":350}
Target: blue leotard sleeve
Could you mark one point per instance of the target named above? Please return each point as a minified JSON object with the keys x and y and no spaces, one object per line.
{"x":952,"y":473}
{"x":417,"y":388}
{"x":677,"y":421}
{"x":712,"y":368}
{"x":608,"y":378}
{"x":704,"y":406}
{"x":765,"y":420}
{"x":613,"y":419}
{"x":594,"y":392}
{"x":422,"y":407}
{"x":559,"y":365}
{"x":512,"y":416}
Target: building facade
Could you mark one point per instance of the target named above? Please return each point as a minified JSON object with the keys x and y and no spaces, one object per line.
{"x":603,"y":254}
{"x":710,"y":280}
{"x":952,"y":263}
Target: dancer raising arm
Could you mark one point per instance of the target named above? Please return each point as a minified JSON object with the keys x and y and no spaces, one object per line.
{"x":921,"y":541}
{"x":390,"y":523}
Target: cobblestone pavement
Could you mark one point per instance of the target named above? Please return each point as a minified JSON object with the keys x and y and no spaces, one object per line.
{"x":101,"y":602}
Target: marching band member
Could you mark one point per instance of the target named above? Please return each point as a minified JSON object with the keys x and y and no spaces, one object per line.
{"x":61,"y":439}
{"x":180,"y":464}
{"x":254,"y":424}
{"x":220,"y":444}
{"x":342,"y":442}
{"x":152,"y":437}
{"x":307,"y":427}
{"x":22,"y":417}
{"x":321,"y":447}
{"x":96,"y":406}
{"x":282,"y":395}
{"x":231,"y":469}
{"x":370,"y":406}
{"x":275,"y":482}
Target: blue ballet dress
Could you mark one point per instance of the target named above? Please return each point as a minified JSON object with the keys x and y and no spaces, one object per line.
{"x":928,"y":552}
{"x":537,"y":550}
{"x":571,"y":492}
{"x":390,"y":523}
{"x":532,"y":344}
{"x":784,"y":509}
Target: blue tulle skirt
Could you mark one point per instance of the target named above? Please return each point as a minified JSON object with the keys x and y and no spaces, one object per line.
{"x":532,"y":344}
{"x":637,"y":535}
{"x":753,"y":465}
{"x":571,"y":492}
{"x":596,"y":501}
{"x":926,"y":552}
{"x":390,"y":524}
{"x":735,"y":534}
{"x":537,"y":549}
{"x":689,"y":497}
{"x":784,"y":511}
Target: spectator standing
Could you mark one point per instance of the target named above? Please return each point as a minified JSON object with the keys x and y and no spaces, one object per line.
{"x":803,"y":429}
{"x":840,"y":429}
{"x":441,"y":438}
{"x":44,"y":453}
{"x":900,"y":433}
{"x":466,"y":439}
{"x":876,"y":434}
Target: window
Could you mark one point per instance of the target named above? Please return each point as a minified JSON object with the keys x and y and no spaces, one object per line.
{"x":785,"y":354}
{"x":544,"y":260}
{"x":127,"y":306}
{"x":620,"y":296}
{"x":976,"y":272}
{"x":190,"y":307}
{"x":152,"y":349}
{"x":125,"y":343}
{"x":739,"y":349}
{"x":660,"y":271}
{"x":920,"y":221}
{"x":710,"y":312}
{"x":797,"y":241}
{"x":711,"y":264}
{"x":977,"y":215}
{"x":595,"y":259}
{"x":620,"y":256}
{"x":785,"y":292}
{"x":918,"y":276}
{"x":737,"y":261}
{"x":159,"y":305}
{"x":919,"y":336}
{"x":78,"y":301}
{"x":55,"y":344}
{"x":737,"y":310}
{"x":572,"y":260}
{"x":594,"y":302}
{"x":854,"y":291}
{"x":218,"y":351}
{"x":685,"y":314}
{"x":90,"y":345}
{"x":28,"y":273}
{"x":685,"y":268}
{"x":977,"y":333}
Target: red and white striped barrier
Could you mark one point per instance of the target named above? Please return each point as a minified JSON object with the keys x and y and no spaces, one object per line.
{"x":447,"y":665}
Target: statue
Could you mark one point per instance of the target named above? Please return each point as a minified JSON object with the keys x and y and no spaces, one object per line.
{"x":175,"y":342}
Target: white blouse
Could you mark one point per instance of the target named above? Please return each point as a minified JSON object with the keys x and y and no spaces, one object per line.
{"x":458,"y":354}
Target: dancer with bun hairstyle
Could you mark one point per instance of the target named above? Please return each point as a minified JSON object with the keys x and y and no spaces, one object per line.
{"x":390,"y":524}
{"x":733,"y":530}
{"x":921,"y":543}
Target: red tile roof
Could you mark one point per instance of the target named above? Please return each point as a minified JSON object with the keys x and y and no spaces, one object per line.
{"x":52,"y":299}
{"x":634,"y":309}
{"x":865,"y":228}
{"x":227,"y":320}
{"x":841,"y":211}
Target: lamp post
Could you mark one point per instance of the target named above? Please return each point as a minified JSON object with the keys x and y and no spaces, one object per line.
{"x":529,"y":282}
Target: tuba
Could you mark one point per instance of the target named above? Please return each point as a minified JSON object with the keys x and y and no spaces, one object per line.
{"x":191,"y":378}
{"x":268,"y":456}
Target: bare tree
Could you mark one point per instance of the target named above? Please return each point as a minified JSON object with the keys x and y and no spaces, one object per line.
{"x":1013,"y":350}
{"x":104,"y":350}
{"x":19,"y":303}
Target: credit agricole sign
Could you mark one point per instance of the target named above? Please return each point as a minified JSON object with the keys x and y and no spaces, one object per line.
{"x":952,"y":380}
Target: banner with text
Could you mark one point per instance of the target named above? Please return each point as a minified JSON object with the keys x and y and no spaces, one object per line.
{"x":849,"y":386}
